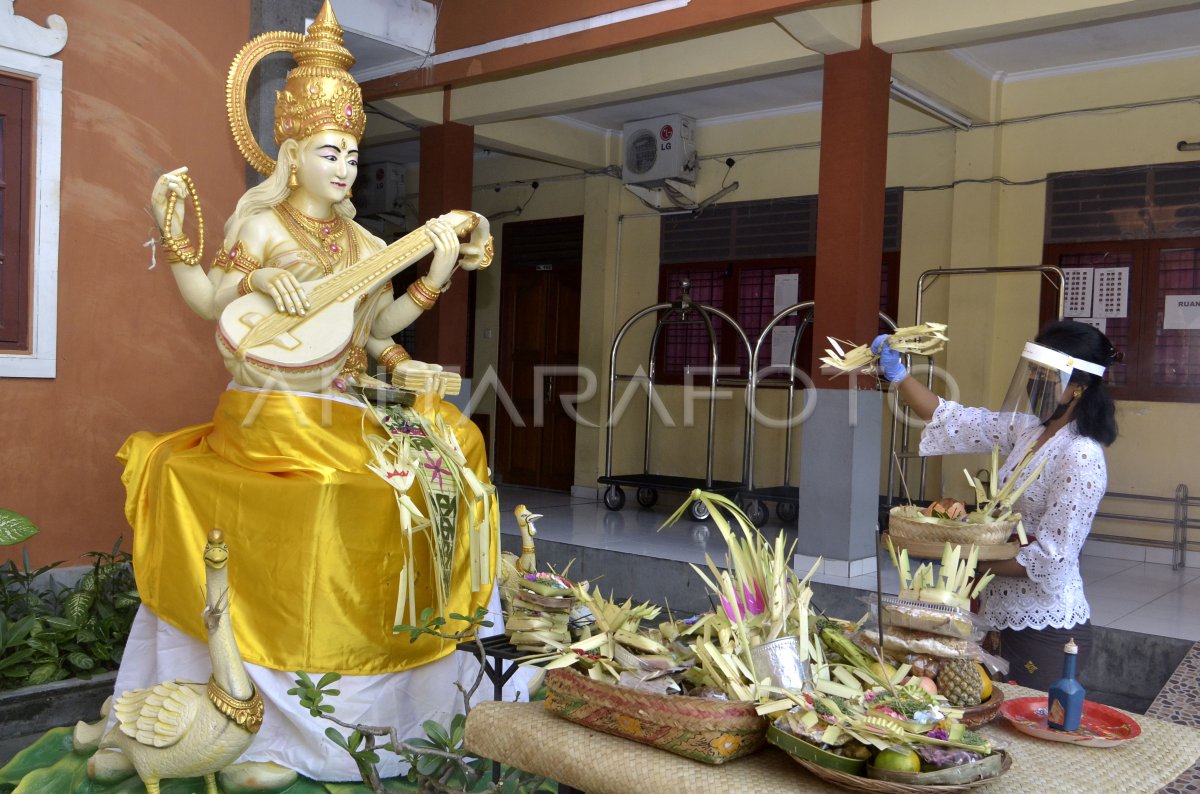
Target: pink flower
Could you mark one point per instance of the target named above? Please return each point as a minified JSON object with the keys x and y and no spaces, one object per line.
{"x":749,"y":603}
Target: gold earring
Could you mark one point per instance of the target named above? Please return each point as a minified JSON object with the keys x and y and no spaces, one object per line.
{"x":293,"y":182}
{"x":349,"y":193}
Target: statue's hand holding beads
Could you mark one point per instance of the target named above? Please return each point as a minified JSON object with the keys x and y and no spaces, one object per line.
{"x":168,"y":184}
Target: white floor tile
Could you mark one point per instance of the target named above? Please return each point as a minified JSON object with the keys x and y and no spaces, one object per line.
{"x":1096,"y":569}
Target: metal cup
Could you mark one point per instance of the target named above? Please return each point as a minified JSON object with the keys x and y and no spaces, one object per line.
{"x":780,"y":659}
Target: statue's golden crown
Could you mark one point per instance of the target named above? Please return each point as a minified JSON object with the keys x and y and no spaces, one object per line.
{"x":319,"y":94}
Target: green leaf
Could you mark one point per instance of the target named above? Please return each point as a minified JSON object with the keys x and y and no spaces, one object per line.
{"x":370,"y":756}
{"x":81,"y":660}
{"x":428,"y":765}
{"x":78,"y":606}
{"x":337,"y":738}
{"x":437,"y":732}
{"x":126,"y":600}
{"x":43,"y":673}
{"x":15,"y":528}
{"x":328,"y":679}
{"x":62,"y":624}
{"x":15,"y":658}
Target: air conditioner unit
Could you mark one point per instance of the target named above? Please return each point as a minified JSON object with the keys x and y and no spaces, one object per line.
{"x":658,"y":149}
{"x":379,"y":189}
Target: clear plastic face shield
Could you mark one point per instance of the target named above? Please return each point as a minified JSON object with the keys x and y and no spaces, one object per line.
{"x":1039,"y":387}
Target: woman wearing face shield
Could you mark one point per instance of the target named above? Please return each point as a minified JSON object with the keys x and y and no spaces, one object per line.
{"x":1057,"y":411}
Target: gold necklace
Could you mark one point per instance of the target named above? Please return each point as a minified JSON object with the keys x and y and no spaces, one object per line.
{"x":322,"y":238}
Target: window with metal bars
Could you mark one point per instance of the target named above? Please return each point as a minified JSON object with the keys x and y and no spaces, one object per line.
{"x":1126,"y":240}
{"x":732,"y":255}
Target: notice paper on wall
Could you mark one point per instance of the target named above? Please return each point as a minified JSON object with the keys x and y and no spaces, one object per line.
{"x":1092,"y":295}
{"x":1181,"y":313}
{"x":782,"y":337}
{"x":1110,"y":292}
{"x":1099,"y":323}
{"x":787,"y":291}
{"x":1077,"y":300}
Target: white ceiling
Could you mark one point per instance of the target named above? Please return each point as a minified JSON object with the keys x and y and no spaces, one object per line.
{"x":1108,"y":44}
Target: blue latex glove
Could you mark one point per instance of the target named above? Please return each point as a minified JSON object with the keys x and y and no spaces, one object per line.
{"x":890,"y":363}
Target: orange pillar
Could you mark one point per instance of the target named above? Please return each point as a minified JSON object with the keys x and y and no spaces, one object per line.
{"x":854,"y":118}
{"x":447,"y":159}
{"x":840,"y":457}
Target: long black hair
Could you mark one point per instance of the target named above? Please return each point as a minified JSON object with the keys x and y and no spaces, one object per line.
{"x":1095,"y":414}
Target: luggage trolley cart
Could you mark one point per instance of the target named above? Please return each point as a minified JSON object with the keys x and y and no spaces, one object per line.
{"x":684,"y":311}
{"x":786,"y":497}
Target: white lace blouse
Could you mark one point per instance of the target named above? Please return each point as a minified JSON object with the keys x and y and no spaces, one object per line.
{"x":1057,"y":508}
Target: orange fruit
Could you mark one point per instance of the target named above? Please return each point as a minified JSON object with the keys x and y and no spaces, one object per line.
{"x":897,"y":761}
{"x":987,"y":684}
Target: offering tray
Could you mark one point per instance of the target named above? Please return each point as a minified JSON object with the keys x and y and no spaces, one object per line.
{"x":876,"y":786}
{"x":1100,"y":726}
{"x":932,"y":550}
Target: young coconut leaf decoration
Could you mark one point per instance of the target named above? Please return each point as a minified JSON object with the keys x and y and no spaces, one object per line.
{"x":921,"y":340}
{"x":762,"y":599}
{"x":995,"y":505}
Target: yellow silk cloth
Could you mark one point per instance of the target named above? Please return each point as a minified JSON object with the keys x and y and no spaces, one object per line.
{"x":314,"y":537}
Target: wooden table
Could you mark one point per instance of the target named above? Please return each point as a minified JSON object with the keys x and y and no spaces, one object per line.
{"x":524,"y":736}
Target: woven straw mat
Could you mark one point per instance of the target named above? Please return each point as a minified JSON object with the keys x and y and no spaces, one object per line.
{"x":523,"y":735}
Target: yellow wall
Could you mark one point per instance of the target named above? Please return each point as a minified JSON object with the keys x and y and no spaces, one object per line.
{"x":969,"y":225}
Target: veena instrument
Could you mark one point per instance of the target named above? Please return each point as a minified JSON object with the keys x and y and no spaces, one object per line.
{"x":253,"y":333}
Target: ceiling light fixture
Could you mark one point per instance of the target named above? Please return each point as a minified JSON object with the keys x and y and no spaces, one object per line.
{"x":929,"y":105}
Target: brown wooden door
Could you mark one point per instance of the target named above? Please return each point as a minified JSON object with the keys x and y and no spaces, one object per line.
{"x":539,"y":339}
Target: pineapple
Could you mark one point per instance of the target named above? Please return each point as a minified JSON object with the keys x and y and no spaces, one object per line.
{"x":961,"y":682}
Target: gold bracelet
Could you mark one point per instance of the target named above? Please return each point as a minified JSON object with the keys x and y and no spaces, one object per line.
{"x":422,"y":294}
{"x":489,"y":251}
{"x":393,"y":355}
{"x":245,"y":286}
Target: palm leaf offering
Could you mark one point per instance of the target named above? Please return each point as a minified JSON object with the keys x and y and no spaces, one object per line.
{"x":925,"y":339}
{"x":994,"y":505}
{"x":761,"y":599}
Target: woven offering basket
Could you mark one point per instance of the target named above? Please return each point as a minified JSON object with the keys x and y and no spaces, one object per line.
{"x":873,"y":786}
{"x":712,"y":731}
{"x":903,"y":526}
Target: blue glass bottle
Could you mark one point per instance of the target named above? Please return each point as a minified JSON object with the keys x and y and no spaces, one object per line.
{"x":1066,"y":695}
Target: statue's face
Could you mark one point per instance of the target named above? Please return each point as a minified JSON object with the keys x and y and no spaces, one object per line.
{"x":327,"y":164}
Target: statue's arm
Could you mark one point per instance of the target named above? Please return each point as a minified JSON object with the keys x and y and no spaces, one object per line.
{"x":243,"y":272}
{"x":196,"y":286}
{"x":405,"y":309}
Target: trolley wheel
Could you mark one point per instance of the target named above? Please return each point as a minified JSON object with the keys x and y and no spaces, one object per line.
{"x":756,"y":511}
{"x":787,"y":511}
{"x":647,"y":497}
{"x":614,"y":497}
{"x":698,"y":511}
